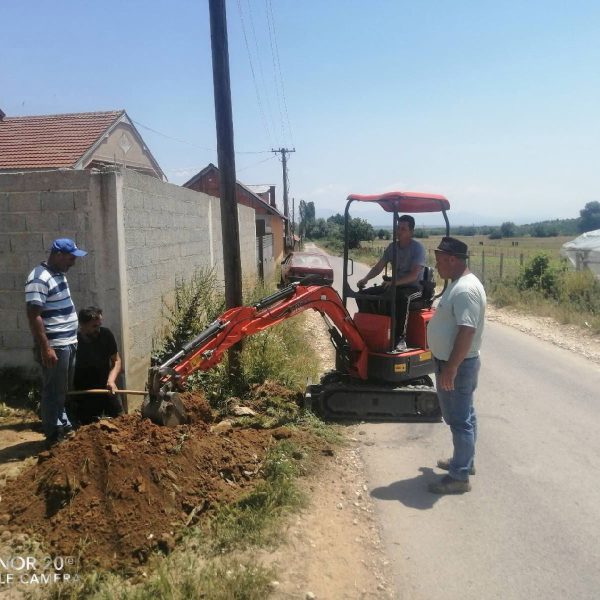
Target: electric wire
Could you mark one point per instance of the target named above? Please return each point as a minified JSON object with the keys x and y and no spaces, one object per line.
{"x":271,"y":28}
{"x":256,"y":87}
{"x":263,"y":80}
{"x":192,"y":144}
{"x":289,"y":125}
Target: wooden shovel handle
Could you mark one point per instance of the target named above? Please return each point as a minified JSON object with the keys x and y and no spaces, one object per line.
{"x":105,"y":391}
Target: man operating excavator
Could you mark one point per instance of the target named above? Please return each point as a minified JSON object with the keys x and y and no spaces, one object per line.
{"x":410,"y":261}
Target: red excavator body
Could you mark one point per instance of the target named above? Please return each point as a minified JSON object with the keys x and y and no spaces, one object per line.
{"x":372,"y":379}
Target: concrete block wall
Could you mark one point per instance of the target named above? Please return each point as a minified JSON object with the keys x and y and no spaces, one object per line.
{"x":35,"y":209}
{"x":169,"y":233}
{"x":141,"y":234}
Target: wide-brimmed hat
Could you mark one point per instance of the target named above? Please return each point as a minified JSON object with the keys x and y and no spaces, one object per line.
{"x":450,"y":245}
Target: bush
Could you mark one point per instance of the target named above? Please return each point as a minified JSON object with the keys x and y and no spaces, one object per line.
{"x":539,"y":274}
{"x":581,"y":291}
{"x":281,"y":353}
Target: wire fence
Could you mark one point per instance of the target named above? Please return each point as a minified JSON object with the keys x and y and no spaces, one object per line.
{"x":491,"y":264}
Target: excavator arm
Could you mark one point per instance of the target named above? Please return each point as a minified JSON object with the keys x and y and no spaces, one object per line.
{"x":206,"y":349}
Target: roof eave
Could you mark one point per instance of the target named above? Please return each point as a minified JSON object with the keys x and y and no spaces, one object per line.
{"x":122,"y":118}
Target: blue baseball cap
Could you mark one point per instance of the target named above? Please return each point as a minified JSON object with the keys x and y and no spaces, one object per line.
{"x":66,"y":246}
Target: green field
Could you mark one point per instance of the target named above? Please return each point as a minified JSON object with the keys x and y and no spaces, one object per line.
{"x":490,"y":259}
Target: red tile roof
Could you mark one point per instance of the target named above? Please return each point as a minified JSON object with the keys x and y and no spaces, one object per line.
{"x":51,"y":141}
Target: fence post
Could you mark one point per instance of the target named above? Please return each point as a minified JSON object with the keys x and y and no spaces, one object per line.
{"x":521,"y":259}
{"x":501,"y":263}
{"x":483,"y":266}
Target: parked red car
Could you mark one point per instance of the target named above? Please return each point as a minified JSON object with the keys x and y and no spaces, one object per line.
{"x":306,"y":267}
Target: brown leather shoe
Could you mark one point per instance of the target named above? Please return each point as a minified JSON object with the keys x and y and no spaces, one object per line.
{"x":444,"y":464}
{"x":449,"y":485}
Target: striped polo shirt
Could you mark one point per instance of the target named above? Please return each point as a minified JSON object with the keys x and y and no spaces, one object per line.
{"x":50,"y":290}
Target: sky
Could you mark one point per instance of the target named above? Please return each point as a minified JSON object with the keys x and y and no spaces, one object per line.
{"x":494,"y":104}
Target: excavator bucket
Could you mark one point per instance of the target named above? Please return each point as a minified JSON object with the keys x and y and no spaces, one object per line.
{"x":169,"y":412}
{"x":162,"y":406}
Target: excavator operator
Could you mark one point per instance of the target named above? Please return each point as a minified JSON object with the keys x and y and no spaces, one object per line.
{"x":410,"y":262}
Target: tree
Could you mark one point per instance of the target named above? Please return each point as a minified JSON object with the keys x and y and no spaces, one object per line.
{"x":381,"y":234}
{"x":358,"y":230}
{"x":337,"y":219}
{"x":307,"y":217}
{"x":589,"y":217}
{"x":508,"y":229}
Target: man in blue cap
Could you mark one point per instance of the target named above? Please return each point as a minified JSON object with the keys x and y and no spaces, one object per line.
{"x":53,"y":323}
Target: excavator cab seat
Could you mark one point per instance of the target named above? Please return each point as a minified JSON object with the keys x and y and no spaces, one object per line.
{"x":427,"y":291}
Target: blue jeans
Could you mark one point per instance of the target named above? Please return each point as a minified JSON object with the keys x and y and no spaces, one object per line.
{"x":458,"y":412}
{"x":55,"y":384}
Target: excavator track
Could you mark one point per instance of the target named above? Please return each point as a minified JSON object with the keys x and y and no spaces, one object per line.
{"x":340,"y":398}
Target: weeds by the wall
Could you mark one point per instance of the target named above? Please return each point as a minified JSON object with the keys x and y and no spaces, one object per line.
{"x":281,"y":353}
{"x":20,"y":387}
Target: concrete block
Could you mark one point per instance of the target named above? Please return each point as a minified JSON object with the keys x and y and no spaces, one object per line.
{"x":3,"y":203}
{"x":26,"y":242}
{"x":15,"y":263}
{"x":24,"y":202}
{"x":9,"y":319}
{"x":57,"y":201}
{"x":17,"y":340}
{"x":11,"y":281}
{"x":81,"y":200}
{"x":134,"y":238}
{"x":133,"y":199}
{"x":10,"y":299}
{"x":39,"y":222}
{"x":60,"y":179}
{"x":12,"y":182}
{"x":4,"y":244}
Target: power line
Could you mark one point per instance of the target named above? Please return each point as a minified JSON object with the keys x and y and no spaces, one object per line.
{"x":270,"y":9}
{"x":191,"y":143}
{"x":260,"y":162}
{"x":256,"y":89}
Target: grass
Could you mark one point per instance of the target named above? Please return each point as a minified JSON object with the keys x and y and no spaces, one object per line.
{"x":253,"y":520}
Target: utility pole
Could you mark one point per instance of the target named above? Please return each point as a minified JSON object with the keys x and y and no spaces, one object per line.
{"x":293,"y":219}
{"x":284,"y":152}
{"x":232,"y":267}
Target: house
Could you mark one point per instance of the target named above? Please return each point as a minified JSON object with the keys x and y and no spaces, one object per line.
{"x":270,"y":223}
{"x":74,"y":141}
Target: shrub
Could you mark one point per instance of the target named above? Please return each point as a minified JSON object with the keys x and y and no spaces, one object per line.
{"x":539,"y":274}
{"x":281,"y":353}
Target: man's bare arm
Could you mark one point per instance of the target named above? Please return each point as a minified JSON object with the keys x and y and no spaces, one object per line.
{"x":36,"y":324}
{"x":116,"y":366}
{"x":375,"y":270}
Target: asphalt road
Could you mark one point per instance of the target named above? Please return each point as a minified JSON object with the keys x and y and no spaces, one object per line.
{"x":530,"y":528}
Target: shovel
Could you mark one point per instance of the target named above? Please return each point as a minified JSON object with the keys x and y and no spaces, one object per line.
{"x":105,"y":391}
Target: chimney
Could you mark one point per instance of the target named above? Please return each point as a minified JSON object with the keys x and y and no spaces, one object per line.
{"x":2,"y":114}
{"x":272,"y":196}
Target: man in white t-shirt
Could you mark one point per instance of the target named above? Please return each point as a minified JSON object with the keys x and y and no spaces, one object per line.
{"x":454,"y":336}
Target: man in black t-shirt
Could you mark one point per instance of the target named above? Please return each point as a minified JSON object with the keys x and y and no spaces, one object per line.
{"x":97,"y":366}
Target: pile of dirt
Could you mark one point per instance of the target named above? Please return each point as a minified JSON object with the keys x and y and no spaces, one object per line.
{"x":122,"y":488}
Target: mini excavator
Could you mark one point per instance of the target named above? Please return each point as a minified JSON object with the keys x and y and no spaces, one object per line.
{"x":372,"y":380}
